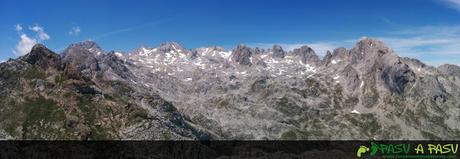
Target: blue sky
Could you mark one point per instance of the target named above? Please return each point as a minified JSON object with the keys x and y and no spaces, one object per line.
{"x":424,"y":29}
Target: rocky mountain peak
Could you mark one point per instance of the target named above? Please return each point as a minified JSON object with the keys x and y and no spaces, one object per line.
{"x":91,"y":46}
{"x":81,"y":59}
{"x":327,"y":58}
{"x":241,"y":46}
{"x":365,"y":41}
{"x":258,"y":50}
{"x":84,"y":49}
{"x":217,"y":48}
{"x":144,"y":51}
{"x":307,"y":55}
{"x":340,"y":52}
{"x":38,"y":47}
{"x":242,"y":55}
{"x":370,"y":46}
{"x":278,"y":51}
{"x":41,"y":56}
{"x":171,"y":46}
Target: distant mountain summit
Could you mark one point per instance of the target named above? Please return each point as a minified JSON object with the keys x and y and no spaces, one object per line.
{"x":86,"y":45}
{"x":169,"y":92}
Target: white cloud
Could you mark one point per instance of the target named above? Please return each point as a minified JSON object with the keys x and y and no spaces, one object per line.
{"x":40,"y":32}
{"x":424,"y":45}
{"x":74,"y":30}
{"x":18,"y":27}
{"x":455,"y":4}
{"x":434,"y":45}
{"x":24,"y":45}
{"x":26,"y":42}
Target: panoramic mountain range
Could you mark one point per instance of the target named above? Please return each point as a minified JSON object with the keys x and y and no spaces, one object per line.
{"x":209,"y":93}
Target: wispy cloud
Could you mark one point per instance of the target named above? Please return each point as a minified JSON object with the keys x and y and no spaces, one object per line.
{"x":75,"y":30}
{"x":424,"y":45}
{"x":434,"y":45}
{"x":455,"y":4}
{"x":26,"y":42}
{"x":131,"y":28}
{"x":18,"y":27}
{"x":40,"y":32}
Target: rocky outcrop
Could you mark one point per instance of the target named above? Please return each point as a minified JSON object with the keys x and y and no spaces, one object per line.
{"x":451,"y":70}
{"x":397,"y":76}
{"x":114,"y":67}
{"x":170,"y":46}
{"x":258,"y":51}
{"x":91,"y":46}
{"x":242,"y":55}
{"x":42,"y":57}
{"x":307,"y":55}
{"x":340,"y":53}
{"x":327,"y":58}
{"x":80,"y":61}
{"x":278,"y":51}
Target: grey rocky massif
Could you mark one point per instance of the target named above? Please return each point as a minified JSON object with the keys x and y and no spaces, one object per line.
{"x":169,"y":92}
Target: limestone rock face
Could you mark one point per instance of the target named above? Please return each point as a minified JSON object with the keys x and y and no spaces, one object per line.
{"x":327,"y":58}
{"x":448,"y":69}
{"x":242,"y":55}
{"x":278,"y":51}
{"x":307,"y":55}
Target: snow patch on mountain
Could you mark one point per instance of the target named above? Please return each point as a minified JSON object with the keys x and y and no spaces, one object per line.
{"x":354,"y":111}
